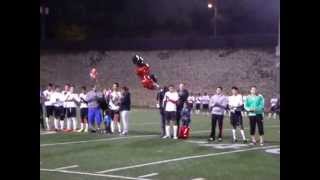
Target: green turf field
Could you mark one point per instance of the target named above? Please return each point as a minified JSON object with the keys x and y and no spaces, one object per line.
{"x":143,"y":155}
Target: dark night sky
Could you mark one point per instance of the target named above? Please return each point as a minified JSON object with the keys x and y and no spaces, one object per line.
{"x":106,"y":18}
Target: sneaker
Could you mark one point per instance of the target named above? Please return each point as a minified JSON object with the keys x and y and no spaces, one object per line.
{"x":253,"y":143}
{"x":175,"y":137}
{"x":211,"y":139}
{"x":245,"y":141}
{"x":86,"y":130}
{"x":165,"y":137}
{"x":261,"y":144}
{"x":80,"y":130}
{"x":220,"y":139}
{"x":234,"y":140}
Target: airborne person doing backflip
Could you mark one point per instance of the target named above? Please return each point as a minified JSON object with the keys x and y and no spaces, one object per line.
{"x":143,"y":71}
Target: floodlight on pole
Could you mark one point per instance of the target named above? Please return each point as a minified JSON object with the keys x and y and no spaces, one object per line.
{"x":210,"y":5}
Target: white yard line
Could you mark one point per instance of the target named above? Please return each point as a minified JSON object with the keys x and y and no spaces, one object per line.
{"x":94,"y":140}
{"x":148,"y":175}
{"x":67,"y":167}
{"x":126,"y":137}
{"x":202,"y":131}
{"x":92,"y":174}
{"x":182,"y":158}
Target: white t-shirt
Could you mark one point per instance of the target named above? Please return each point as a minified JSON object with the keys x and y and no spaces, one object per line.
{"x":191,"y":99}
{"x":273,"y":101}
{"x":47,"y":94}
{"x":235,"y":101}
{"x":82,"y":103}
{"x":170,"y":106}
{"x":57,"y":99}
{"x":205,"y":99}
{"x":114,"y":103}
{"x":198,"y":99}
{"x":70,"y":98}
{"x":65,"y":94}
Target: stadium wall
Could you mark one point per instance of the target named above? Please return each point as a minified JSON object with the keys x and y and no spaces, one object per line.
{"x":201,"y":70}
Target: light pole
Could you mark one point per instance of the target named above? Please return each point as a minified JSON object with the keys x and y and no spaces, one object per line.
{"x":213,"y":4}
{"x":44,"y":12}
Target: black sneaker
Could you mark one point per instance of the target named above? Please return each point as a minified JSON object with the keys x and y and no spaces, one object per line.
{"x":234,"y":140}
{"x":245,"y":141}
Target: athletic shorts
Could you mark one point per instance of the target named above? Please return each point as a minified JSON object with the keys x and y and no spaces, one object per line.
{"x":170,"y":116}
{"x":59,"y":112}
{"x":84,"y":113}
{"x":205,"y":107}
{"x":198,"y":106}
{"x":71,"y":112}
{"x":114,"y":112}
{"x":236,"y":119}
{"x":273,"y":109}
{"x":49,"y":110}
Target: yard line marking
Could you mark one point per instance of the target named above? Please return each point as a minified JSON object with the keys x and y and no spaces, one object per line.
{"x":116,"y":138}
{"x":94,"y":140}
{"x":49,"y":132}
{"x":92,"y":174}
{"x":201,"y":131}
{"x":67,"y":167}
{"x":198,"y":179}
{"x":183,"y":158}
{"x":148,"y":175}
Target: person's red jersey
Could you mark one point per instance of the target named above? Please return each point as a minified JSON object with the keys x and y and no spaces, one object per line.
{"x":143,"y":71}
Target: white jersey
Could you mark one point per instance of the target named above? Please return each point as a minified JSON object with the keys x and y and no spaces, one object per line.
{"x":170,"y":106}
{"x":47,"y":95}
{"x":191,"y":99}
{"x":82,"y":97}
{"x":58,"y":99}
{"x":65,"y":94}
{"x":205,"y":99}
{"x":198,"y":100}
{"x":114,"y":102}
{"x":273,"y":101}
{"x":235,"y":101}
{"x":71,"y":99}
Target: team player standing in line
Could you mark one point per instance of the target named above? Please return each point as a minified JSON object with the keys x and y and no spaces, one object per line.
{"x":170,"y":101}
{"x":235,"y":103}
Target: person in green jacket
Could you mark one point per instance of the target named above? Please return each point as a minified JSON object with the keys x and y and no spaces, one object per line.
{"x":254,"y":105}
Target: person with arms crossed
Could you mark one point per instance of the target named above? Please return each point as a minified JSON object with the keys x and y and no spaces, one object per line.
{"x":94,"y":110}
{"x":83,"y":110}
{"x":114,"y":105}
{"x":48,"y":104}
{"x":59,"y":114}
{"x":160,"y":96}
{"x":125,"y":106}
{"x":71,"y":101}
{"x":218,"y":104}
{"x":254,"y":104}
{"x":170,"y":101}
{"x":205,"y":103}
{"x":235,"y":103}
{"x":198,"y":103}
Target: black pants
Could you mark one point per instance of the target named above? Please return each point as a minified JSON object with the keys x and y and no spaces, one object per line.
{"x":257,"y":119}
{"x":162,"y":122}
{"x":214,"y":119}
{"x":41,"y":117}
{"x":236,"y":119}
{"x":178,"y":116}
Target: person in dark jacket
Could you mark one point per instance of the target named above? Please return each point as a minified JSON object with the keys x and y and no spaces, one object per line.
{"x":183,"y":98}
{"x":160,"y":96}
{"x":125,"y":106}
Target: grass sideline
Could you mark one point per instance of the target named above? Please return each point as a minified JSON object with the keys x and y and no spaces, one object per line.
{"x":98,"y":153}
